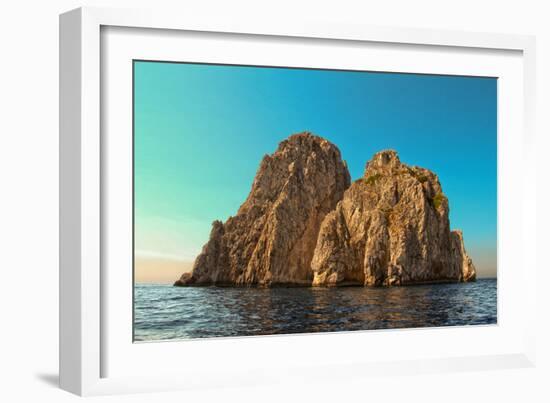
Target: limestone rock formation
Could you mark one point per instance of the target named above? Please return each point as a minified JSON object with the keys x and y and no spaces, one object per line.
{"x":390,"y":228}
{"x":303,"y":224}
{"x":271,"y":239}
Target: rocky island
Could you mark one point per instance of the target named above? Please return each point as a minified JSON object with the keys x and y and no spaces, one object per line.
{"x":304,"y":224}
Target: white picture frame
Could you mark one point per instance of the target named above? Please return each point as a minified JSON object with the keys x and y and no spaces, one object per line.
{"x":90,"y":327}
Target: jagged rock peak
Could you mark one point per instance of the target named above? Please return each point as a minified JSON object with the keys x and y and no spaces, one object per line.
{"x":271,"y":239}
{"x":301,"y":138}
{"x":390,"y":228}
{"x":302,"y":144}
{"x":382,"y":161}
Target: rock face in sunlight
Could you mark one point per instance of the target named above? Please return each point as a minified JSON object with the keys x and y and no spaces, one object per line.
{"x":390,"y":228}
{"x":271,"y":239}
{"x":304,"y":225}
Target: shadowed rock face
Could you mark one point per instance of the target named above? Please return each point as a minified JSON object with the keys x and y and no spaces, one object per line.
{"x":390,"y":228}
{"x":272,"y":238}
{"x":303,"y":224}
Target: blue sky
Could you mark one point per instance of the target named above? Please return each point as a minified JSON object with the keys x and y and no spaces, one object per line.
{"x":201,"y":131}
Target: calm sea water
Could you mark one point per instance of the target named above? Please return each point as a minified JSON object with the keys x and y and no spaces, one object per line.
{"x":163,"y":312}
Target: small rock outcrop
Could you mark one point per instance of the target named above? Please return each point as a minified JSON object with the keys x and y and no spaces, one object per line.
{"x":271,"y":239}
{"x":390,"y":228}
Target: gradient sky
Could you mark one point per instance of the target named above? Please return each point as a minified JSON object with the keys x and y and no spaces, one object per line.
{"x":201,"y":131}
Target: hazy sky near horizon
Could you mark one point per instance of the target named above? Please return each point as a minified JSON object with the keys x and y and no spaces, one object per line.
{"x":200,"y":132}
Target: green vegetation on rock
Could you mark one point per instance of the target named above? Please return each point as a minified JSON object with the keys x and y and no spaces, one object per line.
{"x":438,"y":199}
{"x":422,"y":178}
{"x":371,"y":180}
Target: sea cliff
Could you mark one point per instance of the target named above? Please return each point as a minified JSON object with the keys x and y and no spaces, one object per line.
{"x":304,"y":224}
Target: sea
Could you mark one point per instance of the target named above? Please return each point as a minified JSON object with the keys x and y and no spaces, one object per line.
{"x":164,"y":312}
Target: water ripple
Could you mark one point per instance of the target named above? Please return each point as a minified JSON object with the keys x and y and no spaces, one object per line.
{"x":164,"y":312}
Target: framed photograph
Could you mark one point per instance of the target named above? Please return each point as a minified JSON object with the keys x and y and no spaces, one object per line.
{"x":245,"y":202}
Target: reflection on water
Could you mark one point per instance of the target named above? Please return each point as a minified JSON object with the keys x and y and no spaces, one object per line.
{"x":164,"y":312}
